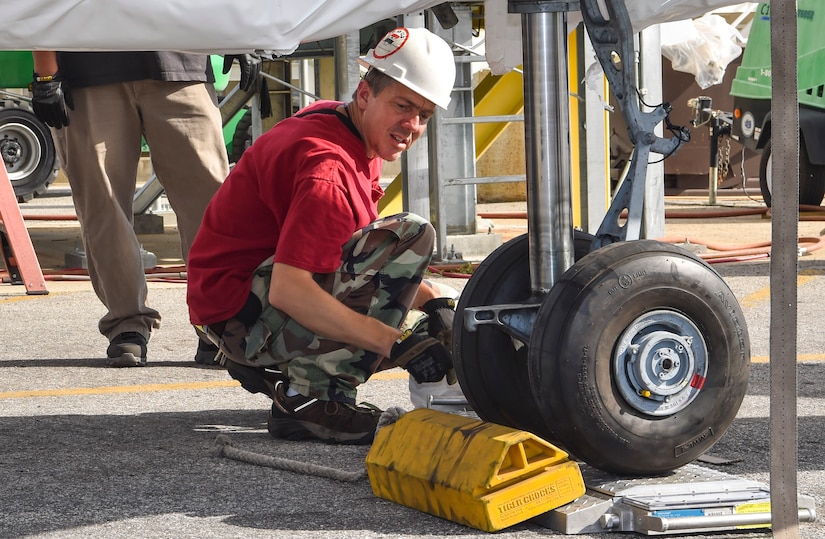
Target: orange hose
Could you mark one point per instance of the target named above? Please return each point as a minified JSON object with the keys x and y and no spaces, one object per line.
{"x":50,"y":217}
{"x":736,"y":258}
{"x":725,"y":253}
{"x":450,"y":270}
{"x":808,"y":244}
{"x":168,"y":274}
{"x":669,"y":214}
{"x":817,"y":213}
{"x":714,"y":246}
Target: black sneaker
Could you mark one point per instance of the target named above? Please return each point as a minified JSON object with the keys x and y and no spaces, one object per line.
{"x":207,"y":353}
{"x":256,"y":379}
{"x":300,"y":418}
{"x":127,"y":350}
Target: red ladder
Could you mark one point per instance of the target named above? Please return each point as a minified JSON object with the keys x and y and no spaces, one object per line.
{"x":15,"y":243}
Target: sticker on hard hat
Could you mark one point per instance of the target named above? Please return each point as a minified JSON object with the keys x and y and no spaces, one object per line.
{"x":391,"y":43}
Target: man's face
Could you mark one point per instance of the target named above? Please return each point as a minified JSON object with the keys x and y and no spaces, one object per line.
{"x":392,"y":120}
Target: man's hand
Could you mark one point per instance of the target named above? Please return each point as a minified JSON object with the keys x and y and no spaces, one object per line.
{"x":440,"y":315}
{"x":50,"y":99}
{"x":250,"y":65}
{"x":426,"y":359}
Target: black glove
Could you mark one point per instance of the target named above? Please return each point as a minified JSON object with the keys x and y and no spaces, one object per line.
{"x":50,"y":99}
{"x":250,"y":65}
{"x":426,"y":359}
{"x":440,"y":314}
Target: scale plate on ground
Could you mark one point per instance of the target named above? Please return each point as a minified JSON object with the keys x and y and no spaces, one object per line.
{"x":692,"y":499}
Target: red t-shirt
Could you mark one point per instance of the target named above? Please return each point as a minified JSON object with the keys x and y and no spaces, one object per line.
{"x":300,"y":192}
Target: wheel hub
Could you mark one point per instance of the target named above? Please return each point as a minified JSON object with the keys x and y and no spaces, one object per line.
{"x":11,"y":152}
{"x":20,"y":150}
{"x":660,"y":363}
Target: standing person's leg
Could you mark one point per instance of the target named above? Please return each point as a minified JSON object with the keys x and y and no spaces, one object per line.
{"x":182,"y":124}
{"x":99,"y":153}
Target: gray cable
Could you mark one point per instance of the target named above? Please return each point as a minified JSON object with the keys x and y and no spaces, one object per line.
{"x":226,"y":449}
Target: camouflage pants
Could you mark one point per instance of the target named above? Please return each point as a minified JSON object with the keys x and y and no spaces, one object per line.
{"x":381,"y":269}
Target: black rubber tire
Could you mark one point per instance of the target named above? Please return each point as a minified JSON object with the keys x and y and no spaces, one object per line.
{"x":811,"y":177}
{"x":492,"y":372}
{"x":242,"y":137}
{"x":27,"y":150}
{"x":574,"y":371}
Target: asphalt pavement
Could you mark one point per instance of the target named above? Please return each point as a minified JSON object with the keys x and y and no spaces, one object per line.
{"x":90,"y":451}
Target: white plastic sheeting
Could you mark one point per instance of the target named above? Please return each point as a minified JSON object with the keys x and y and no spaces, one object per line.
{"x":244,"y":25}
{"x":504,"y":29}
{"x":702,"y":47}
{"x":278,"y":26}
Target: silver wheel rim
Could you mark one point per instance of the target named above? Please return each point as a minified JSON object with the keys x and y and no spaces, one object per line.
{"x":660,"y":363}
{"x":20,"y":150}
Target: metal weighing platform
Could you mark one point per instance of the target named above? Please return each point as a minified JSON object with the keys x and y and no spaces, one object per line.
{"x":692,"y":499}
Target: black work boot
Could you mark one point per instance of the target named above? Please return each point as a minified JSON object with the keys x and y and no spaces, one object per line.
{"x":127,"y":350}
{"x":300,"y":418}
{"x":256,"y":379}
{"x":207,"y":353}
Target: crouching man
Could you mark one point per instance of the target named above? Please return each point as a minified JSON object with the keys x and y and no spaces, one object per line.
{"x":293,"y":274}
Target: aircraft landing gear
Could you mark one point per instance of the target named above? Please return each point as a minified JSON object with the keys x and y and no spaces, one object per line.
{"x":632,"y":355}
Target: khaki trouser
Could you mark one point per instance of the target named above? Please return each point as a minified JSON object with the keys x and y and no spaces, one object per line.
{"x":99,"y":152}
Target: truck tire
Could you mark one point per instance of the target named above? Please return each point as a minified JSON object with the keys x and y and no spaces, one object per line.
{"x":27,"y":149}
{"x":811,"y":177}
{"x":242,"y":138}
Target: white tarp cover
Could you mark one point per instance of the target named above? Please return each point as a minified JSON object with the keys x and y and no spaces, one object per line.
{"x":190,"y":25}
{"x":232,"y":25}
{"x":504,"y":29}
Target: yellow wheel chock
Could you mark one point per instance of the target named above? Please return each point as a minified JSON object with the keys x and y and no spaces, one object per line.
{"x":469,"y":471}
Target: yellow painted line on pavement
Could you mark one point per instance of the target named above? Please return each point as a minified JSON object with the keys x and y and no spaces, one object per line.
{"x":13,"y":299}
{"x":395,"y":374}
{"x":763,"y":294}
{"x":755,"y":298}
{"x":104,"y":390}
{"x":799,"y":358}
{"x":145,"y":388}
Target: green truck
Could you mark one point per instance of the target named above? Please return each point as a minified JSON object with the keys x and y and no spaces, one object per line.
{"x":751,"y":90}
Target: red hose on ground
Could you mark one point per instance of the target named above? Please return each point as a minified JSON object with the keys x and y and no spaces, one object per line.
{"x":159,"y":274}
{"x":736,"y":259}
{"x":669,"y":214}
{"x":806,"y":245}
{"x":50,"y":217}
{"x":453,"y":270}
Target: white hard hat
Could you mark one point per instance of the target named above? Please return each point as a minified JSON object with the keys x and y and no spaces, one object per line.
{"x":418,"y":59}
